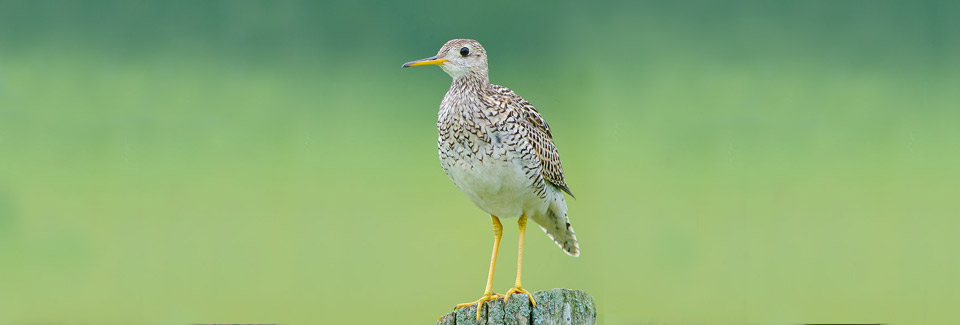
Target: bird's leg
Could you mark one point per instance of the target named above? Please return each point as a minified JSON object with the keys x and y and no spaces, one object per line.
{"x":488,"y":292}
{"x":517,"y":288}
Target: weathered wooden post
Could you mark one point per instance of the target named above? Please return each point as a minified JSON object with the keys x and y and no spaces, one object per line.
{"x":557,"y":306}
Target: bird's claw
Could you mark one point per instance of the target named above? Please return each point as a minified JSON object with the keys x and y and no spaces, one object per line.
{"x":519,"y":289}
{"x":486,"y":297}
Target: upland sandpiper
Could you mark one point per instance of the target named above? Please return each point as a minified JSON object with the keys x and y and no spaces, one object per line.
{"x":499,"y":152}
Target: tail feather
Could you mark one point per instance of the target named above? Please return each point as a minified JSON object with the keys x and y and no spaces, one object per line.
{"x":558,"y":228}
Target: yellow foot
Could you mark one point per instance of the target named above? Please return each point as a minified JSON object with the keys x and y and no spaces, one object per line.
{"x":519,"y":289}
{"x":486,"y":297}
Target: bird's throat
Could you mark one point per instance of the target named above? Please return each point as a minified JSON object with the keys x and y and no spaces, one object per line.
{"x":469,"y":85}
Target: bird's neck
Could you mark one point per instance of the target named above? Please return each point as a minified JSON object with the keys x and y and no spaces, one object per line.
{"x":471,"y":85}
{"x":464,"y":98}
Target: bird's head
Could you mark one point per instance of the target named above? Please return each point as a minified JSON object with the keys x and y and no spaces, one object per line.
{"x":459,"y":58}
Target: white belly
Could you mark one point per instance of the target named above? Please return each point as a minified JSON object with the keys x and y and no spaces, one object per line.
{"x":497,"y":185}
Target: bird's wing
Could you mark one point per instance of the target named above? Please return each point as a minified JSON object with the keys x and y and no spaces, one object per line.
{"x":538,"y":132}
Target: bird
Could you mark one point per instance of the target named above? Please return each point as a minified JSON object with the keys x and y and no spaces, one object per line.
{"x":499,"y":151}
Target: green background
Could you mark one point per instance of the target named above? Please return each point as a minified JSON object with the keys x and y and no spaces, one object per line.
{"x":767,"y":162}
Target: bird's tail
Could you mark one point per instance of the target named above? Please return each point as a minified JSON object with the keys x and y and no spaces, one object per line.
{"x":557,"y":226}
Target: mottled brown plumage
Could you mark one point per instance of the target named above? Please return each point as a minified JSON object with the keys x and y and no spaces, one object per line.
{"x":541,"y":140}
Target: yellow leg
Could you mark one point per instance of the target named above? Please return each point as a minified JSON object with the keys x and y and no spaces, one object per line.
{"x":517,"y":288}
{"x":488,"y":292}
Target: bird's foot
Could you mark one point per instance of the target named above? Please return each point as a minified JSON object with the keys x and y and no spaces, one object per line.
{"x":519,"y":289}
{"x":486,"y":297}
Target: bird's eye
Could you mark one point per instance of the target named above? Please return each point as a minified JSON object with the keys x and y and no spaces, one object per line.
{"x":464,"y":51}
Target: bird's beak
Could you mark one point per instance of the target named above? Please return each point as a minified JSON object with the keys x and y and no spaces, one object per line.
{"x":430,"y":60}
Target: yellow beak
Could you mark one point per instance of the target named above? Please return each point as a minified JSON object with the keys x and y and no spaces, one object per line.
{"x":427,"y":61}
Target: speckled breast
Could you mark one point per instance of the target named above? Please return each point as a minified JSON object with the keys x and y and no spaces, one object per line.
{"x":483,"y":162}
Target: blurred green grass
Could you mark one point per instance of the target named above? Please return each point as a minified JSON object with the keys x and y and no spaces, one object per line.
{"x":254,"y":162}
